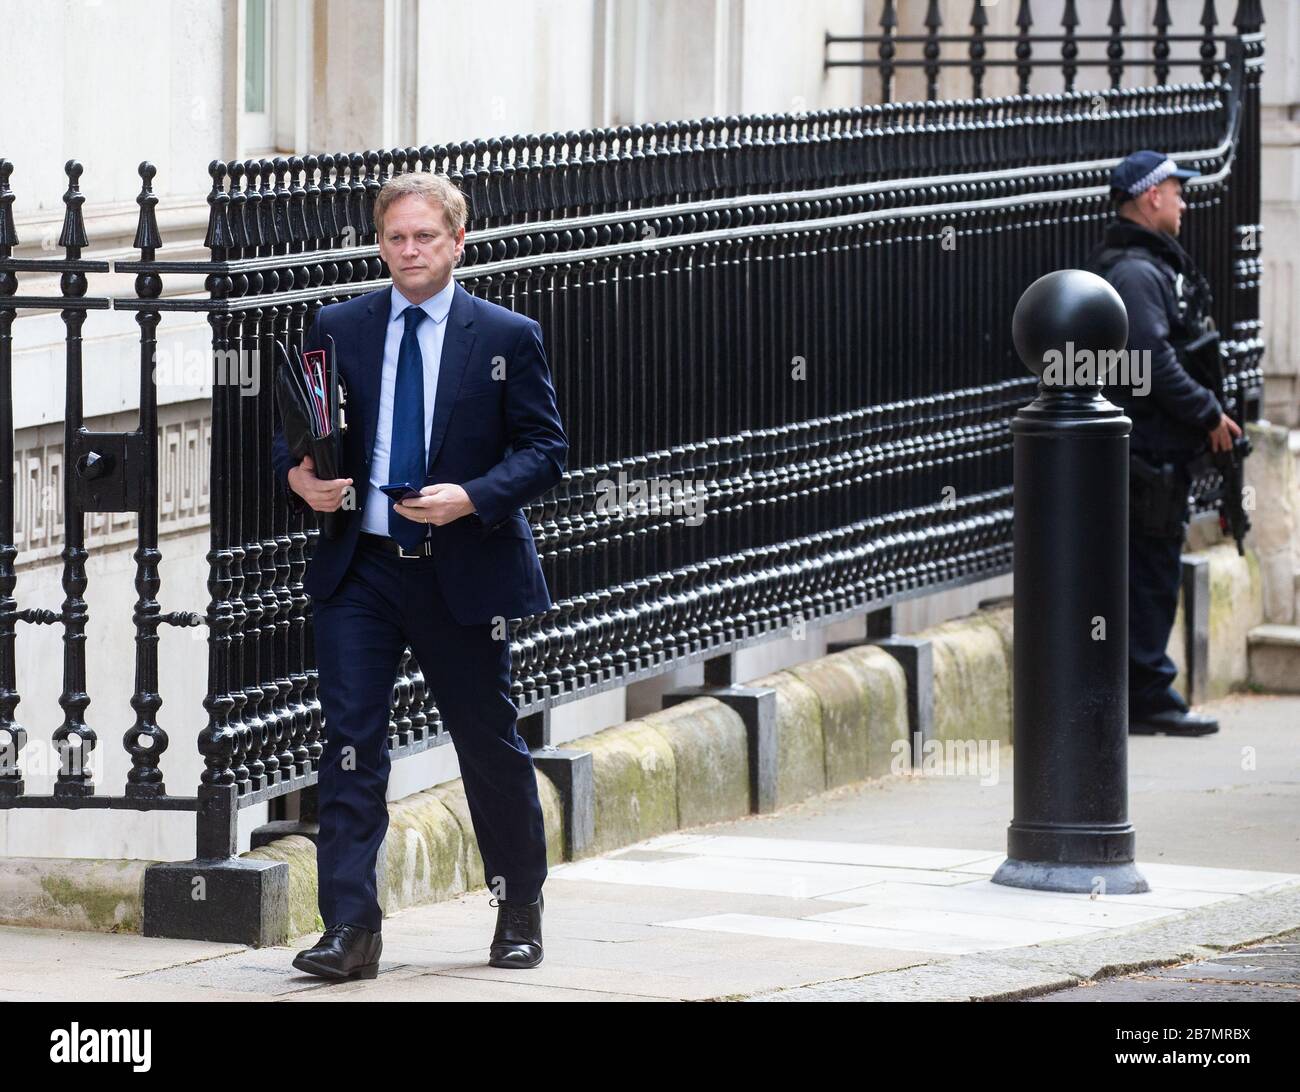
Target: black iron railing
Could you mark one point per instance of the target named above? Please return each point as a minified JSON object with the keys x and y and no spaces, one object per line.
{"x":1117,"y":50}
{"x":796,"y":328}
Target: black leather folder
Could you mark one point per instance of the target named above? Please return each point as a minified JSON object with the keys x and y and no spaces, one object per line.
{"x":310,"y":428}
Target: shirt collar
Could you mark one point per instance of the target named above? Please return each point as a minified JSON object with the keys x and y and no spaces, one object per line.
{"x":436,"y":306}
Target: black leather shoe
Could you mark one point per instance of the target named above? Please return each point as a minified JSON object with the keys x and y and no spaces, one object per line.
{"x":518,"y":939}
{"x":1173,"y":722}
{"x":343,"y":951}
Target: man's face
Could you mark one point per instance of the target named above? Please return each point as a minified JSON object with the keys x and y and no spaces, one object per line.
{"x":418,"y":247}
{"x":1165,"y":205}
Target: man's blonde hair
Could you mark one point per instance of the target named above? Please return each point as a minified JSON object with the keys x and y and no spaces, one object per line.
{"x":437,"y":189}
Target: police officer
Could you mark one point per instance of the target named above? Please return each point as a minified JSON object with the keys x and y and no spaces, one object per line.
{"x":1168,"y":302}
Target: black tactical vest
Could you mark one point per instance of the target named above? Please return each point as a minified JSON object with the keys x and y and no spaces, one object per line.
{"x":1188,"y":299}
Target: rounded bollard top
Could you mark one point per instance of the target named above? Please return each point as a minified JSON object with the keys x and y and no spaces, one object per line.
{"x":1062,"y":316}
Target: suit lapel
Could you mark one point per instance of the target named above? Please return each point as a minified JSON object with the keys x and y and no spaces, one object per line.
{"x":457,"y":341}
{"x":370,"y":366}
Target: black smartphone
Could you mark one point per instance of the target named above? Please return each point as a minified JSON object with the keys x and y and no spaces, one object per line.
{"x":400,"y":491}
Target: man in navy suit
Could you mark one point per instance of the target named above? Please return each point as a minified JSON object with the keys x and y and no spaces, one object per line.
{"x":453,"y":394}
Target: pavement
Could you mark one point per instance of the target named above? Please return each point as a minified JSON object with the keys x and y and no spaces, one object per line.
{"x":873,"y":891}
{"x":1258,"y":972}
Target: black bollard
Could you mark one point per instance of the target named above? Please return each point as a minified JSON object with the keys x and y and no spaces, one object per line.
{"x":1070,"y":830}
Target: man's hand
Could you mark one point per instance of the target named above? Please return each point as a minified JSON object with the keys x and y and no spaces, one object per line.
{"x":1222,"y":434}
{"x":438,"y":504}
{"x":323,"y":496}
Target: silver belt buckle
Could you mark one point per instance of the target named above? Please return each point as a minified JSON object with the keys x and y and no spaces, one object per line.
{"x":422,"y":552}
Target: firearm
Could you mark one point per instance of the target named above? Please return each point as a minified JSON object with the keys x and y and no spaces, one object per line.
{"x":1203,"y":362}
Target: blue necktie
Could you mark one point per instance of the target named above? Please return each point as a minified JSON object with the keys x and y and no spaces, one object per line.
{"x":406,"y":439}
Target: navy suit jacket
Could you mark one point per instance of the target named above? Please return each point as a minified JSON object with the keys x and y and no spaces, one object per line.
{"x":500,"y":439}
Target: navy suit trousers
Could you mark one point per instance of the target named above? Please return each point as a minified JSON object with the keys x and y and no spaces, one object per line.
{"x":383,"y":604}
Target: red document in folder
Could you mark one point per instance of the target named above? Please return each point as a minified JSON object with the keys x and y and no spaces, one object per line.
{"x":314,"y":364}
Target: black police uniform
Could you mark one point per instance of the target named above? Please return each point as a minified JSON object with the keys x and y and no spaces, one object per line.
{"x":1167,"y":301}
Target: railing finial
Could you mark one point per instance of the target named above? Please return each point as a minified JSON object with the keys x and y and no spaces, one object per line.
{"x":1024,"y":48}
{"x":1069,"y":47}
{"x":73,"y":235}
{"x":1210,"y":21}
{"x":147,"y":237}
{"x":1115,"y":47}
{"x":8,"y":233}
{"x":888,"y":24}
{"x":1249,"y":17}
{"x":218,"y":236}
{"x":933,"y":21}
{"x":979,"y":19}
{"x":1160,"y":51}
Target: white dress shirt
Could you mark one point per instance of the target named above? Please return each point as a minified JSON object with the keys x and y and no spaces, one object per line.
{"x":429,"y":334}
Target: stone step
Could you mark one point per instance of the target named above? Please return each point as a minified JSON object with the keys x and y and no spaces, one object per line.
{"x":1275,"y":658}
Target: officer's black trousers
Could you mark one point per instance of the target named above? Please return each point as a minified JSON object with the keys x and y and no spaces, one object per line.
{"x":1153,"y":581}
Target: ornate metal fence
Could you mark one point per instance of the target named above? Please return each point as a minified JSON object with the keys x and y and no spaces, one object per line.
{"x":1118,"y":50}
{"x":796,"y":328}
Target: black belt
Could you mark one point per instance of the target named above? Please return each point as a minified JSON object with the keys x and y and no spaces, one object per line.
{"x":392,"y":546}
